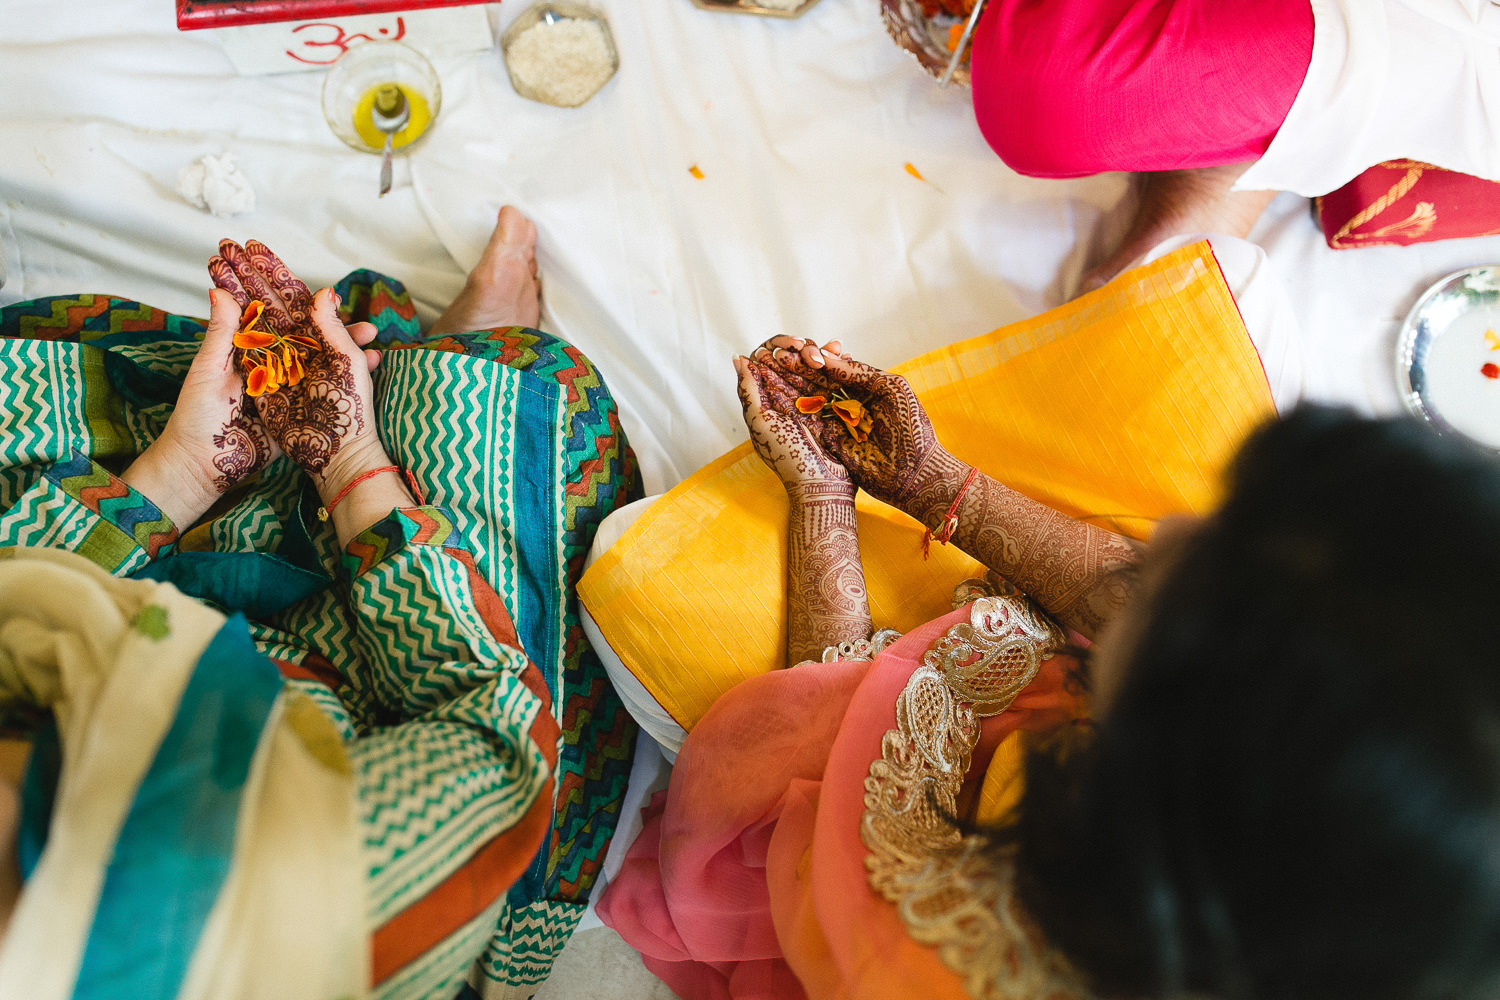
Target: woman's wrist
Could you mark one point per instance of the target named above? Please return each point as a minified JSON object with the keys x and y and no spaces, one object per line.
{"x":803,"y":492}
{"x":179,"y":489}
{"x":361,"y":487}
{"x":936,"y":482}
{"x":355,"y":459}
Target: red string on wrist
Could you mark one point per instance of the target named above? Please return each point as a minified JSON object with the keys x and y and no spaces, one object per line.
{"x":325,"y":512}
{"x":949,"y":524}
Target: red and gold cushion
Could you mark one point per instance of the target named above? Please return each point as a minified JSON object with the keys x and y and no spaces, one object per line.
{"x":1401,"y":202}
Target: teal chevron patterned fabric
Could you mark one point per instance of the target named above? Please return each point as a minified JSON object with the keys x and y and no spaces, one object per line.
{"x":597,"y":472}
{"x":466,"y":687}
{"x":79,"y":506}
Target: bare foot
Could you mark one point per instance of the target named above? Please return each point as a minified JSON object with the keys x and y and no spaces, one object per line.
{"x":1174,"y":202}
{"x":502,"y":289}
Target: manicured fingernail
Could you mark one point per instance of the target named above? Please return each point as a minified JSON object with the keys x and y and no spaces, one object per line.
{"x":213,"y":296}
{"x":338,"y":300}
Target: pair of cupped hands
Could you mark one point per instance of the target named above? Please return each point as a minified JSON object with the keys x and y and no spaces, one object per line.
{"x":218,"y":435}
{"x":810,"y":451}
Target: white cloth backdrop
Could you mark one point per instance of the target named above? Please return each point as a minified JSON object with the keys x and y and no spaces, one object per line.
{"x":806,"y":220}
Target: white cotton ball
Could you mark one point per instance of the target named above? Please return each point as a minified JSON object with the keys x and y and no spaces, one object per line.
{"x":216,"y":184}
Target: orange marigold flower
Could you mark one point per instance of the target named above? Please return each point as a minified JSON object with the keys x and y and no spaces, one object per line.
{"x":268,"y":359}
{"x":811,"y":404}
{"x":260,"y":381}
{"x":855,"y":417}
{"x":304,"y":342}
{"x":252,"y":340}
{"x":252,"y":315}
{"x":295,"y":369}
{"x":850,"y":411}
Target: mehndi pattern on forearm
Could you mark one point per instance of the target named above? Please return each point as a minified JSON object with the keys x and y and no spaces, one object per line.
{"x":1080,"y":573}
{"x":827,"y":602}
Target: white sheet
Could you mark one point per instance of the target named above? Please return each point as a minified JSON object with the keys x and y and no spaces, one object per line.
{"x":806,"y":220}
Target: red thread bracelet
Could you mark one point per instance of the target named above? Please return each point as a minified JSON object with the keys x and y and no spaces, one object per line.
{"x":325,"y":512}
{"x":949,"y":524}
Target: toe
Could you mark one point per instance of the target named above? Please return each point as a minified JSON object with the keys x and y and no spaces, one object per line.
{"x":514,"y":230}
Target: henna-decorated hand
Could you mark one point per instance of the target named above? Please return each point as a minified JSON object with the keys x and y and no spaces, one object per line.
{"x":214,"y":439}
{"x":901,"y":448}
{"x":806,"y":351}
{"x":324,"y":420}
{"x":785,"y":439}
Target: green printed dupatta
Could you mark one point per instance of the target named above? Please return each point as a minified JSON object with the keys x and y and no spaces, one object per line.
{"x":511,"y":430}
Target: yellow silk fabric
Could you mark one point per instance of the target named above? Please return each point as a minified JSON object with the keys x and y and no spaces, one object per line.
{"x":1120,"y":407}
{"x":1004,"y":780}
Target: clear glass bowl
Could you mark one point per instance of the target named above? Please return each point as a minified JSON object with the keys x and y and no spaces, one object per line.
{"x":349,"y":93}
{"x":553,"y":11}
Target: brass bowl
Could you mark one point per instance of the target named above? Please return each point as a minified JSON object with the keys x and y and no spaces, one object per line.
{"x":751,"y":7}
{"x":926,"y":38}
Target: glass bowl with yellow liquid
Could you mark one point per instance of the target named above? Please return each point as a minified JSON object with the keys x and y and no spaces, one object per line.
{"x":350,"y":89}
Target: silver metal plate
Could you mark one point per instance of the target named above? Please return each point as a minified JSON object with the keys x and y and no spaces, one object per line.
{"x":924,"y":37}
{"x":749,"y":7}
{"x":1448,"y":355}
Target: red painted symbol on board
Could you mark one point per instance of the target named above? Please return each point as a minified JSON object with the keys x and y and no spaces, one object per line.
{"x":339,"y":40}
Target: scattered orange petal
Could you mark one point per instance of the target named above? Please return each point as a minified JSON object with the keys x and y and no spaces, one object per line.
{"x":695,"y":171}
{"x":303,"y":342}
{"x":850,"y":411}
{"x":252,"y":314}
{"x":1492,"y":339}
{"x":258,"y":381}
{"x":811,"y":404}
{"x":955,"y":34}
{"x":915,"y":172}
{"x":295,"y":369}
{"x":250,"y":340}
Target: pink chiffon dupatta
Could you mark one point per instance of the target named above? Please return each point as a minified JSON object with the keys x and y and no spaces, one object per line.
{"x":748,"y":880}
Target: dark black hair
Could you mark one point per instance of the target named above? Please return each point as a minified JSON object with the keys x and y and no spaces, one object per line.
{"x":1295,"y":792}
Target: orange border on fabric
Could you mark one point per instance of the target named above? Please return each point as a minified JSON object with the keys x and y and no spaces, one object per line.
{"x":493,"y":869}
{"x":314,"y":668}
{"x":462,"y":896}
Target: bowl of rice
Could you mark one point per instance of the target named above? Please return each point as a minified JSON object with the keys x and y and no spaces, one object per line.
{"x":559,"y":53}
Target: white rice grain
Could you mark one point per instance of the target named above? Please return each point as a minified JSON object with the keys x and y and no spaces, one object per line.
{"x":563,"y":62}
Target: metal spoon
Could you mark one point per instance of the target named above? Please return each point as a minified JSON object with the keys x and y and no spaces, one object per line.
{"x":963,"y":43}
{"x":389,"y":114}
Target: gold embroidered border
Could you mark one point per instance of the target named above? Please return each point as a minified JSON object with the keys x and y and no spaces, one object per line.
{"x":948,"y":896}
